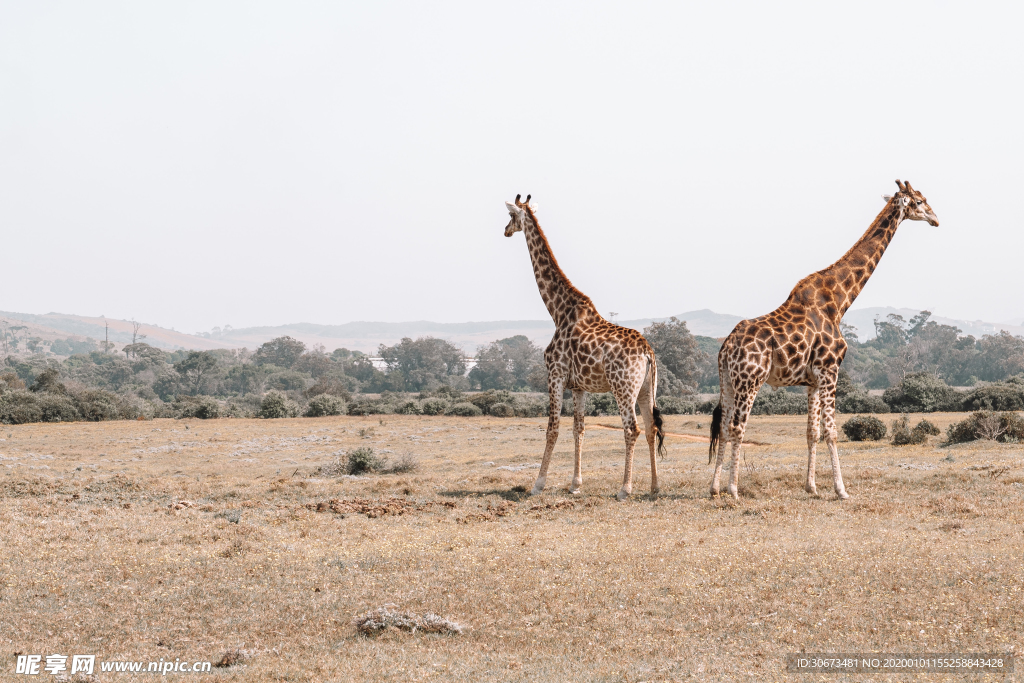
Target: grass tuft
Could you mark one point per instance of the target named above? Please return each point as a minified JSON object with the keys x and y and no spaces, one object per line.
{"x":382,"y":619}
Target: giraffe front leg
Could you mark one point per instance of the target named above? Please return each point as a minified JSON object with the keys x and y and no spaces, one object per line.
{"x":555,"y":385}
{"x":579,"y":400}
{"x":828,"y":406}
{"x":813,"y":434}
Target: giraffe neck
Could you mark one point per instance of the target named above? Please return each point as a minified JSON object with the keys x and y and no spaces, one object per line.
{"x":560,"y":297}
{"x":852,"y":271}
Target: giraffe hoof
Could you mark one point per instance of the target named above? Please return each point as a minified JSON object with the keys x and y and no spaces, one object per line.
{"x":575,"y":491}
{"x":714,"y":493}
{"x":811,"y":489}
{"x":734,"y":492}
{"x":842,"y":495}
{"x":623,"y":494}
{"x":538,"y":486}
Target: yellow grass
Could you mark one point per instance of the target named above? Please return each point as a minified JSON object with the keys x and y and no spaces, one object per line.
{"x":926,"y":556}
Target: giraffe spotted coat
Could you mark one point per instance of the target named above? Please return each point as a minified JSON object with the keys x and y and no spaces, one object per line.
{"x":800,"y":344}
{"x":588,"y":354}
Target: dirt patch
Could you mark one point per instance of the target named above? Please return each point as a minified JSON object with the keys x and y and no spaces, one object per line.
{"x":490,"y":513}
{"x":376,"y":508}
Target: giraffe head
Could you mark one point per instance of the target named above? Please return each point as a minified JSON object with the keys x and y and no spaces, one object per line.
{"x":519,"y":213}
{"x":915,"y":206}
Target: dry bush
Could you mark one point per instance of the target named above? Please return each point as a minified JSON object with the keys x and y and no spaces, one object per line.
{"x":903,"y":435}
{"x":987,"y":425}
{"x":381,"y":619}
{"x":864,"y":428}
{"x":233,"y":658}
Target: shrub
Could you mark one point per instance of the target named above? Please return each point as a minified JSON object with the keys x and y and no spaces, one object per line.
{"x":132,"y":407}
{"x":434,"y":406}
{"x":202,"y":408}
{"x":1008,"y":396}
{"x":779,"y":402}
{"x":10,"y":381}
{"x":96,"y":405}
{"x":903,"y":435}
{"x":922,"y":392}
{"x":927,"y":428}
{"x":601,"y":404}
{"x":365,"y":460}
{"x":277,"y":405}
{"x":535,"y":408}
{"x":707,"y":407}
{"x":368,"y":407}
{"x":409,"y":408}
{"x":858,"y":402}
{"x":405,"y":464}
{"x":323,"y":405}
{"x":448,"y":392}
{"x":673,"y":405}
{"x":984,"y":424}
{"x":485,"y":399}
{"x":57,"y":408}
{"x":48,"y":381}
{"x":464,"y":409}
{"x":864,"y":428}
{"x":329,"y":385}
{"x":19,"y":407}
{"x":502,"y":410}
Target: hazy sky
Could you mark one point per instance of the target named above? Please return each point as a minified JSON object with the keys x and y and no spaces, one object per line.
{"x":211,"y":163}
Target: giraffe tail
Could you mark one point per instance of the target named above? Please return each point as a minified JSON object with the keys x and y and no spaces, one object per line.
{"x":716,"y":431}
{"x":659,"y":429}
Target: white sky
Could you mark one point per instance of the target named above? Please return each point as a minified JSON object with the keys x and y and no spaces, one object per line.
{"x":201,"y":164}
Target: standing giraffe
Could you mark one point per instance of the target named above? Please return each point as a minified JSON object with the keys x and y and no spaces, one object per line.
{"x":799,"y":344}
{"x":588,"y":353}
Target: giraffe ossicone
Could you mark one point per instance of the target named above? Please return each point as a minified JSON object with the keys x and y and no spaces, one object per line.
{"x":800,"y":344}
{"x":588,"y":354}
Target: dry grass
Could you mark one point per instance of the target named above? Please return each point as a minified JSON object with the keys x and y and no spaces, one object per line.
{"x":142,"y":540}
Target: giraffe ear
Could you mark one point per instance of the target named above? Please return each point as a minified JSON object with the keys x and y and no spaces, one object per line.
{"x":513,"y":209}
{"x":887,"y":197}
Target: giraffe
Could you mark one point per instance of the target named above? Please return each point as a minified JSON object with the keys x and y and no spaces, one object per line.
{"x":800,"y":344}
{"x":588,"y":353}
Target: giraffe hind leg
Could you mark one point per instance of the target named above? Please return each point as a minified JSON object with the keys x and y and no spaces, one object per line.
{"x":646,"y":402}
{"x":631,"y":433}
{"x":579,"y":401}
{"x":813,"y":434}
{"x":737,"y":426}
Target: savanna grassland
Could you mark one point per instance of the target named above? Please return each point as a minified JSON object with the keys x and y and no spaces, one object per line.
{"x":191,"y":539}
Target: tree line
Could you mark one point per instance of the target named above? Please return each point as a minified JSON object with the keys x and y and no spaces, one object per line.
{"x":916,"y":361}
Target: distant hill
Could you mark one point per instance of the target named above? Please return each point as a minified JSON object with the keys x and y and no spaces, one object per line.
{"x":52,"y":326}
{"x":367,"y":336}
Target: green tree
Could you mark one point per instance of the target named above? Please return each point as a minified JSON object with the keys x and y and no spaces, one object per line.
{"x":282,"y":352}
{"x":423,"y":364}
{"x":247,"y":378}
{"x":506,"y":364}
{"x":196,"y":369}
{"x":999,"y":356}
{"x":680,"y":357}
